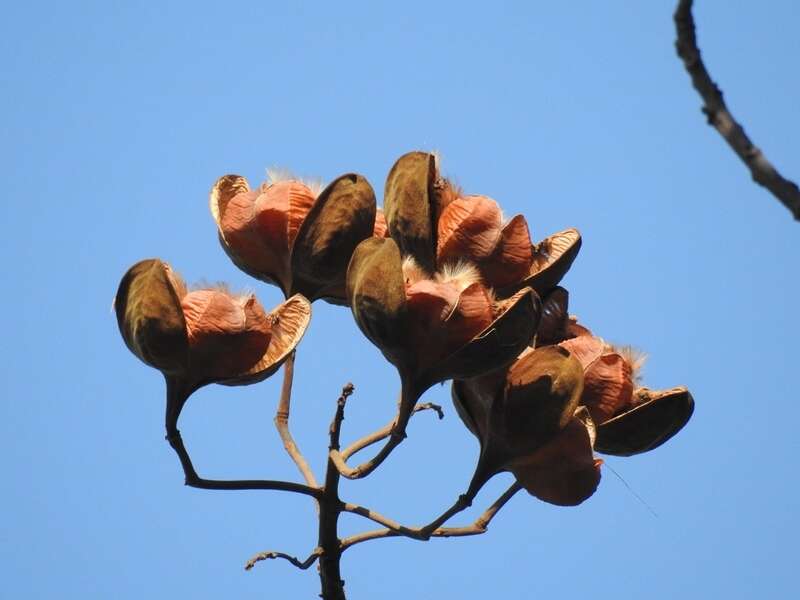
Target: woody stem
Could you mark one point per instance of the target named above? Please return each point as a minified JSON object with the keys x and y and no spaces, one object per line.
{"x":330,"y":508}
{"x":397,"y":433}
{"x":282,"y":423}
{"x":479,"y":526}
{"x":177,"y":393}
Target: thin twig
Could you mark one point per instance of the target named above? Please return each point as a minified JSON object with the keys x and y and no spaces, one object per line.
{"x":392,"y":525}
{"x":397,"y":433}
{"x":282,"y":423}
{"x":463,"y":502}
{"x":175,"y":400}
{"x":292,"y":559}
{"x":192,"y":479}
{"x":762,"y":171}
{"x":479,"y":526}
{"x":417,"y":533}
{"x":385,"y":431}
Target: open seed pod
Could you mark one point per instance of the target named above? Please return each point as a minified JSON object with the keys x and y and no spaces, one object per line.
{"x":284,"y":233}
{"x":629,"y":420}
{"x":409,"y":205}
{"x":432,"y":221}
{"x":434,"y":327}
{"x":204,"y":336}
{"x":551,"y":259}
{"x":472,"y":227}
{"x":528,"y":421}
{"x":654,"y":418}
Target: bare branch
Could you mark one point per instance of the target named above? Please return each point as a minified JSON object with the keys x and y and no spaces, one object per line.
{"x":385,"y":431}
{"x":392,"y":525}
{"x":335,"y":430}
{"x":424,"y":533}
{"x":479,"y":526}
{"x":282,"y":423}
{"x":720,"y":117}
{"x":417,"y":533}
{"x":175,"y":400}
{"x":330,"y":509}
{"x":194,"y":480}
{"x":295,"y":561}
{"x":397,"y":433}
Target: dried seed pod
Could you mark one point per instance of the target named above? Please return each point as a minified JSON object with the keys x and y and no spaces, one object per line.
{"x":343,"y":215}
{"x":471,"y":228}
{"x":434,"y":327}
{"x":655,"y":416}
{"x":409,"y":206}
{"x":552,"y":258}
{"x":629,"y":421}
{"x":284,"y":233}
{"x":528,"y":421}
{"x":564,"y":471}
{"x":150,"y":318}
{"x":204,"y":336}
{"x":433,"y":222}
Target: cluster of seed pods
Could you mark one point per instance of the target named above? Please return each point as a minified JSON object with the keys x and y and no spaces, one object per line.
{"x":443,"y":287}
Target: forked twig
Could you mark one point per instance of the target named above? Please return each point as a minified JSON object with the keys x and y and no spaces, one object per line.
{"x":384,"y":432}
{"x":479,"y":526}
{"x":292,"y":559}
{"x":396,"y":435}
{"x":762,"y":171}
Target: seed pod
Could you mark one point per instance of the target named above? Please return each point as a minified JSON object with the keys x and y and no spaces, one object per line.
{"x":204,"y":336}
{"x":528,"y":421}
{"x":285,"y":234}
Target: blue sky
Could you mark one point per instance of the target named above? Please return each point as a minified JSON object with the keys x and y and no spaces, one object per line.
{"x":117,"y":118}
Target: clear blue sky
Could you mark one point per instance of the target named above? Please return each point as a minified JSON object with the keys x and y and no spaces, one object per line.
{"x":115,"y":119}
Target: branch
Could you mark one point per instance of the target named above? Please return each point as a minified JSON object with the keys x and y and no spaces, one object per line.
{"x":295,"y":561}
{"x":385,"y":431}
{"x":417,"y":533}
{"x":330,"y":508}
{"x":282,"y":423}
{"x":175,"y":401}
{"x":194,"y":480}
{"x":720,"y":117}
{"x":463,"y":502}
{"x":396,"y":434}
{"x":479,"y":526}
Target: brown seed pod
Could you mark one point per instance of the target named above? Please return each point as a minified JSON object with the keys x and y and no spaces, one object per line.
{"x":527,"y":420}
{"x":628,"y":421}
{"x":434,"y":329}
{"x":654,"y":418}
{"x":284,"y":233}
{"x":342,"y":216}
{"x":552,"y":258}
{"x":409,"y":206}
{"x":204,"y":336}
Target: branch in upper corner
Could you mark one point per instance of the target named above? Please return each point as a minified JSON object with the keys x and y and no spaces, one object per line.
{"x":292,"y":559}
{"x":720,"y":117}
